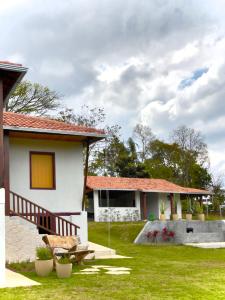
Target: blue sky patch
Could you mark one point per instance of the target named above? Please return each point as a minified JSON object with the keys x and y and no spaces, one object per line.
{"x":195,"y":75}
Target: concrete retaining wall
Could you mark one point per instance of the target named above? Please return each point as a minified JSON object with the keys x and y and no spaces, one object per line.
{"x":203,"y":232}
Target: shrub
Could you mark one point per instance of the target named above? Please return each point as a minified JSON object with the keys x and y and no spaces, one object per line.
{"x":198,"y":208}
{"x":43,"y":253}
{"x":64,"y":260}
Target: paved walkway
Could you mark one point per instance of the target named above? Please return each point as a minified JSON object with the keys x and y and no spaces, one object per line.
{"x":102,"y":252}
{"x":207,"y":245}
{"x":14,"y":279}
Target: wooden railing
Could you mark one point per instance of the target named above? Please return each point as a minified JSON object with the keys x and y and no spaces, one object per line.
{"x":44,"y":219}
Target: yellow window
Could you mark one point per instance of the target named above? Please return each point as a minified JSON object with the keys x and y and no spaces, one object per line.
{"x":42,"y":170}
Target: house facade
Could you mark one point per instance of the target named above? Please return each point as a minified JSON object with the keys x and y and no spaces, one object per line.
{"x":43,"y":179}
{"x":133,"y":199}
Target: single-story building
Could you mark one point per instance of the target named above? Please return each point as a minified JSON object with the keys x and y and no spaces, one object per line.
{"x":132,"y":199}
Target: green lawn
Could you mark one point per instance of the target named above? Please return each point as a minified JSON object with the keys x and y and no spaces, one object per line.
{"x":158,"y":272}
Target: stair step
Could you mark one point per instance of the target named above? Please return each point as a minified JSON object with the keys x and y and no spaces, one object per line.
{"x":101,"y":251}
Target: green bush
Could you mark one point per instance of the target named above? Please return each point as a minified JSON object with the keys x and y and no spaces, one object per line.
{"x":64,"y":260}
{"x":198,"y":208}
{"x":43,"y":253}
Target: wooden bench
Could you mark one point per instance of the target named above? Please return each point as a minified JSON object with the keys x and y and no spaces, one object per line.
{"x":66,"y":246}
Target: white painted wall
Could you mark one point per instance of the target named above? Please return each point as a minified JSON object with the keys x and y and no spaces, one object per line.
{"x":2,"y":236}
{"x":69,"y":173}
{"x":116,"y":214}
{"x":81,"y":221}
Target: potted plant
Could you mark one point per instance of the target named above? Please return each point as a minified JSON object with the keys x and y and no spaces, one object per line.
{"x":44,"y":261}
{"x":199,"y":211}
{"x":162,"y":210}
{"x":175,"y":215}
{"x":64,"y":267}
{"x":189,"y":210}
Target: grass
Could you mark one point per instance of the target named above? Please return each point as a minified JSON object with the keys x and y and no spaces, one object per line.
{"x":158,"y":272}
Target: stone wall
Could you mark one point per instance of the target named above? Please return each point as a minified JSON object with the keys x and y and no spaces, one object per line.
{"x":203,"y":232}
{"x":22,"y":238}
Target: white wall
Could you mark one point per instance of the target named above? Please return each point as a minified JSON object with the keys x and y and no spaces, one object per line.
{"x":2,"y":236}
{"x":69,"y":173}
{"x":116,"y":214}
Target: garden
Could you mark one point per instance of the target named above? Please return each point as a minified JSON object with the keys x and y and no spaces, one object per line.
{"x":157,"y":272}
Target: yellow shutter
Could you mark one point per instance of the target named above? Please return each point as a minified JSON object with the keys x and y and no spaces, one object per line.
{"x":42,"y":172}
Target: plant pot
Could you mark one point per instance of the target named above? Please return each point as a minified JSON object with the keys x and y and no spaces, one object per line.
{"x":162,"y":217}
{"x":201,"y":217}
{"x":175,"y":217}
{"x":63,"y":270}
{"x":43,"y":267}
{"x":188,"y":217}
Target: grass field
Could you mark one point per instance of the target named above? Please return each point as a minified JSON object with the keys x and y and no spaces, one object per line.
{"x":158,"y":272}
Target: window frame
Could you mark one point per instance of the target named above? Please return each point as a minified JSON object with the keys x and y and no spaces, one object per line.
{"x":52,"y":154}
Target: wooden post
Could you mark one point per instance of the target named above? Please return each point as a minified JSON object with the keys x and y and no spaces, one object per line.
{"x":1,"y":137}
{"x":85,"y":173}
{"x":6,"y":173}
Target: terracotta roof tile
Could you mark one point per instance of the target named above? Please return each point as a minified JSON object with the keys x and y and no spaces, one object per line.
{"x":24,"y":121}
{"x":141,"y":184}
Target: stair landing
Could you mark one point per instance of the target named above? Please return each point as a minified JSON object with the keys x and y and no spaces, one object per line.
{"x":102,"y":252}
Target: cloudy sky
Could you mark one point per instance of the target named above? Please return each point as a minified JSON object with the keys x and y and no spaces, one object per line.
{"x":158,"y":62}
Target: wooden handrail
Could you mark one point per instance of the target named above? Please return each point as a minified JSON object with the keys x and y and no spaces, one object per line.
{"x":43,"y":218}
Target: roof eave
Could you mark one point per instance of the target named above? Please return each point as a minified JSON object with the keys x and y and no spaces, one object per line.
{"x":13,"y":68}
{"x":50,"y":131}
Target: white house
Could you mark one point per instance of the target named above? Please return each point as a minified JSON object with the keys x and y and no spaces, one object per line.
{"x":43,"y":177}
{"x":132,"y":199}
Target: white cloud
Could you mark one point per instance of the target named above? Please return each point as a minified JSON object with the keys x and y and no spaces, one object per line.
{"x":127,"y":56}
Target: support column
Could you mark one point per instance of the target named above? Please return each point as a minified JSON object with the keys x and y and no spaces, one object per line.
{"x":145,"y":205}
{"x":85,"y":174}
{"x":2,"y":236}
{"x":1,"y":137}
{"x":96,"y":205}
{"x":138,"y":202}
{"x":6,"y":173}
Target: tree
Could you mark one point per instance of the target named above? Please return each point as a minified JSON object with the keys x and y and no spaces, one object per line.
{"x":91,"y":117}
{"x":33,"y":98}
{"x":218,"y":192}
{"x":192,"y":142}
{"x":166,"y":162}
{"x":143,"y":136}
{"x":194,"y":150}
{"x":118,"y":159}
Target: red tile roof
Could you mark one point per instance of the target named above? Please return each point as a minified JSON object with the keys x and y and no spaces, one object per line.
{"x":24,"y":122}
{"x":140,"y":184}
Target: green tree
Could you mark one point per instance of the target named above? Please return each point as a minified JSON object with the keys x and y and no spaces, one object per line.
{"x":33,"y":98}
{"x":167,"y":162}
{"x":218,"y":192}
{"x":194,"y":151}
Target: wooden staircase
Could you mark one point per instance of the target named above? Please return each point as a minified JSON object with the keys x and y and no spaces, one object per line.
{"x":46,"y":221}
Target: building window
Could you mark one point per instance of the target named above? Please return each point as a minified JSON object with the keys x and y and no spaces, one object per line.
{"x":42,"y":170}
{"x":116,"y":198}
